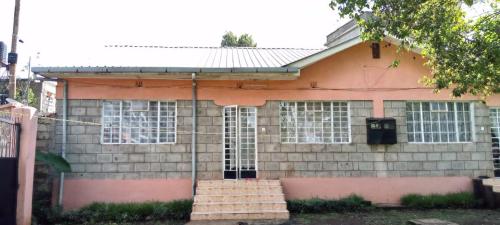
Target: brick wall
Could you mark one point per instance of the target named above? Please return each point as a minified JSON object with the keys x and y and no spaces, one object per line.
{"x":90,"y":159}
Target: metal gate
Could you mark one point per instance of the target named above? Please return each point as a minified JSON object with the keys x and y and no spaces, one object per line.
{"x":9,"y":159}
{"x":495,"y":139}
{"x":240,"y":142}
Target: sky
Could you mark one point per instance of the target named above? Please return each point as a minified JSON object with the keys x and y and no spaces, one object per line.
{"x":53,"y":30}
{"x":61,"y":28}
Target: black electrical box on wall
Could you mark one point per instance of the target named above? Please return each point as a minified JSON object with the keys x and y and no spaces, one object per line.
{"x":381,"y":131}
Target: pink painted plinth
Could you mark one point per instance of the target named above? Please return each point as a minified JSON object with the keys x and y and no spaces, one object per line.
{"x":81,"y":192}
{"x":379,"y":190}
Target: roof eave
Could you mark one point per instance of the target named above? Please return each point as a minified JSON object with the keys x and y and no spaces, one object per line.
{"x":265,"y":73}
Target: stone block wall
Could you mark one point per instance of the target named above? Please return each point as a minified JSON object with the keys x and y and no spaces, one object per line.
{"x":43,"y":178}
{"x":446,"y":159}
{"x":278,"y":160}
{"x":91,"y":159}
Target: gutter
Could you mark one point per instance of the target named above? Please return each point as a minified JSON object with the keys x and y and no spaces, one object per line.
{"x":64,"y":139}
{"x":106,"y":69}
{"x":193,"y":136}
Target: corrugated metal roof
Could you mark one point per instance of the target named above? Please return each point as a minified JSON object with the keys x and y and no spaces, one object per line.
{"x":189,"y":57}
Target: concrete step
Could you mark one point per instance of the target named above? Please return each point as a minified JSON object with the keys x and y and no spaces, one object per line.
{"x":236,"y":215}
{"x":491,"y":182}
{"x":239,"y":206}
{"x":494,"y":183}
{"x":239,"y":198}
{"x":239,"y":190}
{"x":238,"y":183}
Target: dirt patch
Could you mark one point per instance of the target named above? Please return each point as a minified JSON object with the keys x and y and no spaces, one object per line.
{"x":398,"y":217}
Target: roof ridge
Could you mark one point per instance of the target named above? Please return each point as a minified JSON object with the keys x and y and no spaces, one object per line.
{"x":203,"y":47}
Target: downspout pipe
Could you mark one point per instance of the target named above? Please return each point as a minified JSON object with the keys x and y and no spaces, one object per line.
{"x":64,"y":138}
{"x":193,"y":135}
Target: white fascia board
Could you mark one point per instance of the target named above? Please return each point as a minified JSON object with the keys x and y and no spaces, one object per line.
{"x":325,"y":53}
{"x":340,"y":47}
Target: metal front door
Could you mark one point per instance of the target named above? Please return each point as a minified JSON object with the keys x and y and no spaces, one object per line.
{"x":240,"y":142}
{"x":9,"y":158}
{"x":495,"y":139}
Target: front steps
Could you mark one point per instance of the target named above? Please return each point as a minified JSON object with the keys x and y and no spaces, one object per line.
{"x":494,"y":183}
{"x":239,"y":200}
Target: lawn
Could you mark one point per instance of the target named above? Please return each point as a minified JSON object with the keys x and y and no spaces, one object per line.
{"x":372,"y":217}
{"x":400,"y":217}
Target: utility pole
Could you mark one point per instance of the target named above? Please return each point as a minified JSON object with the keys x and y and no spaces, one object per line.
{"x":12,"y":66}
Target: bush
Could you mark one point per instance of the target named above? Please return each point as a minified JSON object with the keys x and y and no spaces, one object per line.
{"x":127,"y":212}
{"x":463,"y":200}
{"x":316,"y":205}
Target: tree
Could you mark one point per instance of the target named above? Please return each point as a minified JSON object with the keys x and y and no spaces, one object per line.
{"x":26,"y":95}
{"x":463,"y":54}
{"x":229,"y":39}
{"x":246,"y":40}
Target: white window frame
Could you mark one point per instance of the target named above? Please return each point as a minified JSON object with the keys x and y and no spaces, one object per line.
{"x":121,"y":117}
{"x":455,"y":121}
{"x":331,"y":111}
{"x":495,"y":128}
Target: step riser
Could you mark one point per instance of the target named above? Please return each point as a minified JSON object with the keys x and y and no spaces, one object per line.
{"x":238,"y":198}
{"x":233,"y":198}
{"x":232,"y":182}
{"x":236,"y":192}
{"x":238,"y":207}
{"x":273,"y":187}
{"x":238,"y":216}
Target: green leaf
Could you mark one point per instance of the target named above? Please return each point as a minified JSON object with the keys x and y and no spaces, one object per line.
{"x":394,"y":64}
{"x":469,"y":2}
{"x":56,"y":162}
{"x":463,"y":54}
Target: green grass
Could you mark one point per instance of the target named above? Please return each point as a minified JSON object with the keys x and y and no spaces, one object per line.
{"x":464,"y":200}
{"x":399,"y":217}
{"x":122,"y":213}
{"x":316,"y":205}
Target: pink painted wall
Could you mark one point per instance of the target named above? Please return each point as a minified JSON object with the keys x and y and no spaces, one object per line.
{"x":349,"y":75}
{"x":24,"y":115}
{"x":379,"y":190}
{"x":81,"y":192}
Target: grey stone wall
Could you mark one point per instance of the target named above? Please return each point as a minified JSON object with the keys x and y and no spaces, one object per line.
{"x":90,"y":159}
{"x":359,"y":159}
{"x":454,"y":159}
{"x":277,"y":160}
{"x":42,"y":183}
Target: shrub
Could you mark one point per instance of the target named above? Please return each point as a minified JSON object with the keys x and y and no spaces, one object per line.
{"x":437,"y":201}
{"x":127,"y":212}
{"x":316,"y":205}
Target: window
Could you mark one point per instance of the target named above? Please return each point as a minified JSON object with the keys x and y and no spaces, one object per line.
{"x":138,"y":122}
{"x":314,"y":122}
{"x":495,"y":137}
{"x":438,"y":122}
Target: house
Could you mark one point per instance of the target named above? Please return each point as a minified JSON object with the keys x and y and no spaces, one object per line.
{"x":43,"y":93}
{"x":294,"y":115}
